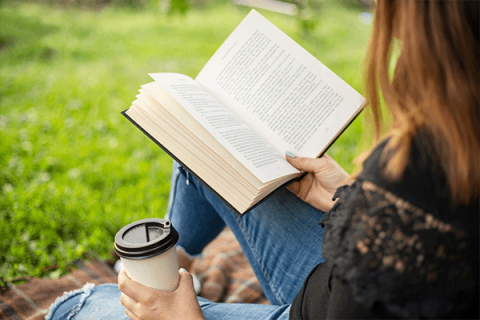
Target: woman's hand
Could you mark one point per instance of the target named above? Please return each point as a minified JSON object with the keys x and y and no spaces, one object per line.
{"x":141,"y":302}
{"x":318,"y":186}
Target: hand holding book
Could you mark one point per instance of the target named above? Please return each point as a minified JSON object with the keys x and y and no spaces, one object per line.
{"x":322,"y":179}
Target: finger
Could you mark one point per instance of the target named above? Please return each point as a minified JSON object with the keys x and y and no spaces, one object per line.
{"x":132,"y":288}
{"x":306,"y":164}
{"x":123,"y":280}
{"x":131,"y":315}
{"x":128,"y":302}
{"x":122,"y":276}
{"x":185,"y":281}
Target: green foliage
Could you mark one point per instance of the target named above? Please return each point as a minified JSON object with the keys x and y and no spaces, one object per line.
{"x":73,"y":171}
{"x":305,"y":15}
{"x":357,"y":4}
{"x":128,"y":3}
{"x":180,"y":6}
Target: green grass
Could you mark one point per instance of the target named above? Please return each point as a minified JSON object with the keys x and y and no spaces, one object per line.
{"x":73,"y":171}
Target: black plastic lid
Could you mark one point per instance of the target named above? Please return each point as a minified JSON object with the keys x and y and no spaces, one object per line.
{"x":145,"y":238}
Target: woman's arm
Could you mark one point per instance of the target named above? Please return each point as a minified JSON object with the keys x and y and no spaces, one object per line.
{"x":342,"y":305}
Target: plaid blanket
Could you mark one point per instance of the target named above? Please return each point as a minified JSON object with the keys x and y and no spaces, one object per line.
{"x":223,"y":271}
{"x":31,"y":300}
{"x":225,"y":274}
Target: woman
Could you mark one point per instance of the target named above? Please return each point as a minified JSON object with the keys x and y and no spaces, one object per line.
{"x":400,"y":241}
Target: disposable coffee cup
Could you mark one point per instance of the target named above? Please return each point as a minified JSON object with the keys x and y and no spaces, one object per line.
{"x":148,"y":252}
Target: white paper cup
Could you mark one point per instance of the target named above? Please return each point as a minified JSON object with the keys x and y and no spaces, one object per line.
{"x":147,"y":250}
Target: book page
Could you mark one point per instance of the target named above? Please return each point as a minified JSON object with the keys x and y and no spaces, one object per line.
{"x":243,"y":143}
{"x":284,"y":93}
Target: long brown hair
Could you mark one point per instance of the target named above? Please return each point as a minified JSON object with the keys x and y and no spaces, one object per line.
{"x":435,"y":85}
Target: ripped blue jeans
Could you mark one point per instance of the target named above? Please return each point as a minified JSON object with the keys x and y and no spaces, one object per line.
{"x":281,"y":239}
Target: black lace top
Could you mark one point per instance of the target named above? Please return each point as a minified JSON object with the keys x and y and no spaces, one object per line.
{"x":396,"y":250}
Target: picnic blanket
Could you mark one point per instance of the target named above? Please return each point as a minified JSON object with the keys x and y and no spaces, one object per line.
{"x":223,"y":271}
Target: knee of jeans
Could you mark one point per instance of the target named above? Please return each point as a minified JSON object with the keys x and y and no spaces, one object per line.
{"x":189,"y":255}
{"x":66,"y":306}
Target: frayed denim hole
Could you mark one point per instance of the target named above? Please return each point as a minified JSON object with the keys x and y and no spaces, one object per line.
{"x":66,"y":296}
{"x":87,"y":291}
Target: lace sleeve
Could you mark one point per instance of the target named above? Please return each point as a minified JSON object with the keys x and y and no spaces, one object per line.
{"x":391,"y":252}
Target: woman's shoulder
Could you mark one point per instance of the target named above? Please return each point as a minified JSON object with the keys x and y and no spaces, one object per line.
{"x":422,"y":183}
{"x":396,"y":243}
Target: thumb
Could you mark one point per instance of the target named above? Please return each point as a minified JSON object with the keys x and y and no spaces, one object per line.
{"x":302,"y":163}
{"x":185,"y":281}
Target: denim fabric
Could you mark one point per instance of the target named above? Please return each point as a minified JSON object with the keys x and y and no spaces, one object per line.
{"x":281,"y":238}
{"x":103,"y":302}
{"x":90,"y":302}
{"x":241,"y":311}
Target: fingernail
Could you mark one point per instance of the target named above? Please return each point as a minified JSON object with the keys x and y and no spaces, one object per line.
{"x":183,"y":270}
{"x":291,"y":155}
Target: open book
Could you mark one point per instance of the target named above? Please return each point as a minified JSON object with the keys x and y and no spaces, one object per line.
{"x":260,"y":95}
